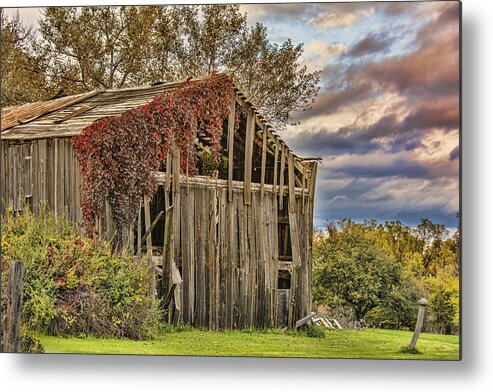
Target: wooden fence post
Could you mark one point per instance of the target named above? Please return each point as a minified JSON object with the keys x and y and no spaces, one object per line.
{"x":11,"y":336}
{"x":423,"y":303}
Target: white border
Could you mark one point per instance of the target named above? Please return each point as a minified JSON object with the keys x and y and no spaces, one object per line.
{"x":130,"y":373}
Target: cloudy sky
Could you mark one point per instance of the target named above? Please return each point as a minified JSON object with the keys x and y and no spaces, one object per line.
{"x":386,"y":121}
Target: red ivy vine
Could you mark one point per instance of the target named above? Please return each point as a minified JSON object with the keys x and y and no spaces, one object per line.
{"x":118,"y":154}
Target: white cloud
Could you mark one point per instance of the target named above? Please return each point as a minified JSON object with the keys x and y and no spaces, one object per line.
{"x":318,"y":53}
{"x":332,"y":19}
{"x":341,"y":17}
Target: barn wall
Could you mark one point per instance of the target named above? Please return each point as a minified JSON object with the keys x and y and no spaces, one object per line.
{"x":41,"y":169}
{"x":229,"y":259}
{"x":229,"y":251}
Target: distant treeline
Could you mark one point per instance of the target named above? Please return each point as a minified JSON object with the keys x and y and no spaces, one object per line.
{"x":379,"y":271}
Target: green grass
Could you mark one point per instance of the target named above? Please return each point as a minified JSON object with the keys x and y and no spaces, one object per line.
{"x":370,"y":343}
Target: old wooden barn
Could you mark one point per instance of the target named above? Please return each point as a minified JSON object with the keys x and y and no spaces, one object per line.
{"x":240,"y":239}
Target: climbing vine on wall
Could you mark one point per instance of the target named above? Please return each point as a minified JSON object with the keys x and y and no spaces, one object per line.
{"x":118,"y":154}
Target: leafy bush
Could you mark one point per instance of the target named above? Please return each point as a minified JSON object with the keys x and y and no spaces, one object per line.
{"x":309,"y":330}
{"x":75,"y":285}
{"x":31,"y":345}
{"x":313,"y":331}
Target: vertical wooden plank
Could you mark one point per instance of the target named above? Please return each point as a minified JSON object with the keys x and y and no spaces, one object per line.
{"x":210,"y":255}
{"x":13,"y":177}
{"x":168,"y":171}
{"x":175,"y":186}
{"x":235,"y":262}
{"x":276,"y":169}
{"x":200,"y":213}
{"x":295,"y":246}
{"x":167,"y":250}
{"x":139,"y":232}
{"x":275,"y":251}
{"x":61,"y":175}
{"x":56,"y":174}
{"x":311,"y":201}
{"x":262,"y":171}
{"x":185,"y":272}
{"x":34,"y":168}
{"x":78,"y":193}
{"x":281,"y":176}
{"x":43,"y":168}
{"x":252,"y":270}
{"x":231,"y":138}
{"x":191,"y":253}
{"x":303,"y":185}
{"x":167,"y":184}
{"x":223,"y":260}
{"x":217,"y":255}
{"x":271,"y":273}
{"x":3,"y":178}
{"x":250,"y":135}
{"x":110,"y":228}
{"x":176,"y":202}
{"x":243,"y":260}
{"x":261,"y":260}
{"x":150,"y":262}
{"x":66,"y":185}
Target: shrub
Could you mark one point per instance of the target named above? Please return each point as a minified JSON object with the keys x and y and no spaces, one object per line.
{"x":31,"y":345}
{"x":75,"y":285}
{"x":313,"y":331}
{"x":309,"y":330}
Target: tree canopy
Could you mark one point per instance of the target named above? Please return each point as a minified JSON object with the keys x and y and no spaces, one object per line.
{"x":85,"y":48}
{"x":23,"y":78}
{"x":381,"y":270}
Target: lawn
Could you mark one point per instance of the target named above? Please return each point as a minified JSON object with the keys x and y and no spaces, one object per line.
{"x":370,"y":343}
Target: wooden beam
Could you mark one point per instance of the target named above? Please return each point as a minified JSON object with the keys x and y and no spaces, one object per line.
{"x":218,"y":183}
{"x":313,"y":179}
{"x":153,"y":224}
{"x":250,"y":134}
{"x":83,"y":109}
{"x":231,"y":138}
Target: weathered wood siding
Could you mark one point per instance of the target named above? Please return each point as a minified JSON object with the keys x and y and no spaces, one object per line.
{"x":41,"y":169}
{"x":228,"y":250}
{"x":229,"y":258}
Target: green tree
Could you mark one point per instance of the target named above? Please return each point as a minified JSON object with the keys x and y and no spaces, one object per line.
{"x":431,"y":238}
{"x":428,"y":260}
{"x":23,"y":72}
{"x":353,"y":270}
{"x":111,"y":47}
